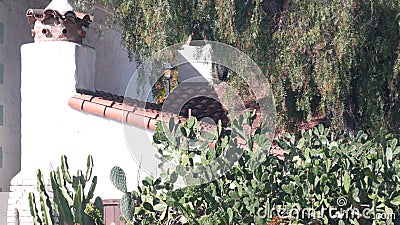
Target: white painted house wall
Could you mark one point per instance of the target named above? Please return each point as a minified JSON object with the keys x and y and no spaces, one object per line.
{"x":113,"y":71}
{"x":51,"y":128}
{"x":113,"y":67}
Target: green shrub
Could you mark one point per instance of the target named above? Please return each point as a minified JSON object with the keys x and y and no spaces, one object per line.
{"x":322,"y":170}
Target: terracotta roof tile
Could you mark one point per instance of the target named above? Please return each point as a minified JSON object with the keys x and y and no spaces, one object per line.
{"x":107,"y":104}
{"x":115,"y":114}
{"x":152,"y":124}
{"x":147,"y":113}
{"x":102,"y":101}
{"x":138,"y":120}
{"x":125,"y":107}
{"x":84,"y":97}
{"x":76,"y":103}
{"x":94,"y":108}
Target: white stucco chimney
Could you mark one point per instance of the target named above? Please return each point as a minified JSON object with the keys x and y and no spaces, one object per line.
{"x":60,"y":5}
{"x":51,"y":72}
{"x":49,"y":75}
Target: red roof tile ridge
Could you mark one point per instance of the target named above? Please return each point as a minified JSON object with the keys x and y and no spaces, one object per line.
{"x":136,"y":115}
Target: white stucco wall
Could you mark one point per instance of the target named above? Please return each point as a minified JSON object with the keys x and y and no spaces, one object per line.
{"x":50,"y":128}
{"x":113,"y":71}
{"x":113,"y":67}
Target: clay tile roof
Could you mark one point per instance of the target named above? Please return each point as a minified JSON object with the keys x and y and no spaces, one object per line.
{"x":131,"y":111}
{"x":200,"y":101}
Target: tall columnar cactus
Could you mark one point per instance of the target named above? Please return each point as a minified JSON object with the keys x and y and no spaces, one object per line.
{"x":45,"y":217}
{"x":72,"y":204}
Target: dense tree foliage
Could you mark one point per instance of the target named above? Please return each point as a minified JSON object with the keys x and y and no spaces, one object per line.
{"x":340,"y":56}
{"x":333,"y":58}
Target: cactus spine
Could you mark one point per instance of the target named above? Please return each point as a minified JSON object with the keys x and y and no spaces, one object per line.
{"x":70,"y":201}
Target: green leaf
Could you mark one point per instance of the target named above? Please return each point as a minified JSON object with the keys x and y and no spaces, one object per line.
{"x":321,"y":128}
{"x":316,"y":180}
{"x":230,"y":215}
{"x":396,"y":151}
{"x":160,"y":207}
{"x":157,"y":182}
{"x":207,"y":135}
{"x":246,"y":113}
{"x":326,"y":189}
{"x":346,"y":182}
{"x":173,"y":177}
{"x":171,"y":124}
{"x":248,"y":219}
{"x":301,"y":143}
{"x":234,"y":194}
{"x":323,"y":140}
{"x":190,"y":122}
{"x":394,"y":142}
{"x":185,"y":160}
{"x":183,"y":131}
{"x":146,"y":183}
{"x":148,"y":206}
{"x":395,"y":201}
{"x":288,"y":188}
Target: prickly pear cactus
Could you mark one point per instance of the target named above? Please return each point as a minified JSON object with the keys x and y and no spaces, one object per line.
{"x":118,"y":178}
{"x":127,"y":206}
